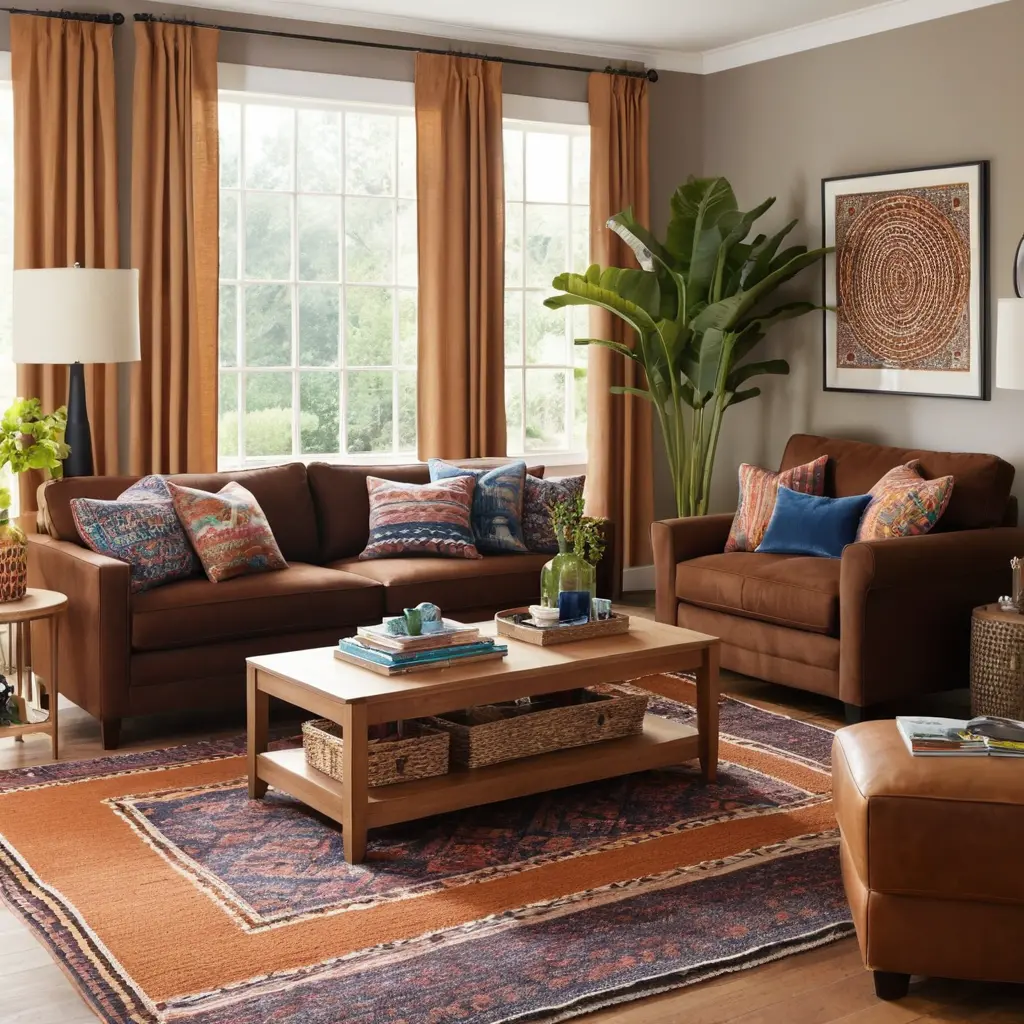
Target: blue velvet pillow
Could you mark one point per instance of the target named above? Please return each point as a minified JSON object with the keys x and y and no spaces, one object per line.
{"x":497,"y":515}
{"x":806,"y":524}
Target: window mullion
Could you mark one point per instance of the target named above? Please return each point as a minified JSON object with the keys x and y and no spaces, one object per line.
{"x":296,"y":389}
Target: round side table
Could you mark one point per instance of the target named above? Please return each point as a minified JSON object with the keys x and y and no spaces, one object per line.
{"x":997,"y":663}
{"x":35,"y":605}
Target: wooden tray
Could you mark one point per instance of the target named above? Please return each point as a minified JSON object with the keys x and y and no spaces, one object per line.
{"x":614,"y":626}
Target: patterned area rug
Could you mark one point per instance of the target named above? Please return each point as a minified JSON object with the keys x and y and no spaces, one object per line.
{"x":166,"y":895}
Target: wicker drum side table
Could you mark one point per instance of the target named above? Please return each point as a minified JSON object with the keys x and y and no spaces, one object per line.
{"x":997,"y":663}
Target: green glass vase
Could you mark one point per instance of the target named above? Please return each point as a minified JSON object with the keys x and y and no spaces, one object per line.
{"x":566,"y":571}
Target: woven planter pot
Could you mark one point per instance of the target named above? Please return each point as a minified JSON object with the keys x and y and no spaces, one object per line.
{"x":421,"y":754}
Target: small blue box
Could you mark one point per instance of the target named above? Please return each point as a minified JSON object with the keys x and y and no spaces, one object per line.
{"x":573,"y":604}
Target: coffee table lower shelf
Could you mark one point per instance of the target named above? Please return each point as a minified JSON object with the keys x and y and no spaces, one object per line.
{"x":661,"y":743}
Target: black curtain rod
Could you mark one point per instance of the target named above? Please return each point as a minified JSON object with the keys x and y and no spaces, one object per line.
{"x":100,"y":19}
{"x":651,"y":75}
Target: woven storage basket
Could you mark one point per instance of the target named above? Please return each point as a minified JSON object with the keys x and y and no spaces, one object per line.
{"x":421,"y":754}
{"x":491,"y":733}
{"x":997,"y":664}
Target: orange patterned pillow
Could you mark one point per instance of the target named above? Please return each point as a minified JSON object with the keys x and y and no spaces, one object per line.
{"x":228,"y":530}
{"x":904,"y":504}
{"x":758,"y":490}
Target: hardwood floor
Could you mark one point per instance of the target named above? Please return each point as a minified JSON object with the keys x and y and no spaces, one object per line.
{"x":824,"y":986}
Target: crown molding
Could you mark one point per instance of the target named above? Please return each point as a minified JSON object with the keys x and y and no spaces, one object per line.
{"x":882,"y":17}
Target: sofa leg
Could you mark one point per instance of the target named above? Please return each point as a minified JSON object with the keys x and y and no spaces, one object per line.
{"x":110,"y":733}
{"x":890,"y":986}
{"x":854,"y":714}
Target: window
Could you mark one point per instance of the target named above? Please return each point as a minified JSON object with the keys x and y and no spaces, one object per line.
{"x":318,"y":280}
{"x":8,"y":371}
{"x":547,"y":231}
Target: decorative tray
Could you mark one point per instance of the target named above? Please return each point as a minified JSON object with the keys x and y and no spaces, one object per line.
{"x":512,"y":622}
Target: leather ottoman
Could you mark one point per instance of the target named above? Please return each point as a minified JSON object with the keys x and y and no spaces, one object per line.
{"x":932,"y":859}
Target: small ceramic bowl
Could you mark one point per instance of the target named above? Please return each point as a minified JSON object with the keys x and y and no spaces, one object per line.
{"x":543,"y":615}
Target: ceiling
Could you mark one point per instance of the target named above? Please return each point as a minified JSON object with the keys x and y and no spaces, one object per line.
{"x":701,"y":36}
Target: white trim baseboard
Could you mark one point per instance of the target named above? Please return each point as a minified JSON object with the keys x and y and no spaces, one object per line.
{"x":637,"y":577}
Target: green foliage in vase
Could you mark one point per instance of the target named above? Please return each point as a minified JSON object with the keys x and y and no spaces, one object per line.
{"x":5,"y":502}
{"x":32,"y":439}
{"x":700,"y":305}
{"x":585,"y":533}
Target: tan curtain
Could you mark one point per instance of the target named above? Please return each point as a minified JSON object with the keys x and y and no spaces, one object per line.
{"x":619,"y":473}
{"x":461,"y":209}
{"x":175,"y":247}
{"x":65,"y":190}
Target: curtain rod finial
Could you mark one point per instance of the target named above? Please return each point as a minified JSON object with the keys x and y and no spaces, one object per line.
{"x":117,"y":18}
{"x":652,"y":75}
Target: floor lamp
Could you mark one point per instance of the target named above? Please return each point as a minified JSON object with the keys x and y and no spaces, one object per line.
{"x":76,"y":316}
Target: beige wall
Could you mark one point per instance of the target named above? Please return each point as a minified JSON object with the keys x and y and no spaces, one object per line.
{"x":946,"y":91}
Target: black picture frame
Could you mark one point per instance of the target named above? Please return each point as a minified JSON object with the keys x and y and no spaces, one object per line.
{"x":982,"y":168}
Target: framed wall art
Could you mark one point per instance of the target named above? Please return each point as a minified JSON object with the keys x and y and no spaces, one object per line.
{"x":908,"y":282}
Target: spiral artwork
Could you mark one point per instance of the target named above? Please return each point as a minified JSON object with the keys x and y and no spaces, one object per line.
{"x":903,"y":279}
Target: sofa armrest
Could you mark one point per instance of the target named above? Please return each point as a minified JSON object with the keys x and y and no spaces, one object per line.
{"x":905,"y":609}
{"x":678,"y":540}
{"x":94,"y":648}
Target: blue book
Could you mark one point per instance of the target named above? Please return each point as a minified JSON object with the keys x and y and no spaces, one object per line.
{"x":351,"y":649}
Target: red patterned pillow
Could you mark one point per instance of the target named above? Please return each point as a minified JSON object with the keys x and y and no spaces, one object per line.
{"x":421,"y":519}
{"x":758,"y":490}
{"x":904,"y":504}
{"x":228,"y":530}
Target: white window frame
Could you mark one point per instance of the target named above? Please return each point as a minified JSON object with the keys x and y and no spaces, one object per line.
{"x":523,"y":113}
{"x":309,"y":90}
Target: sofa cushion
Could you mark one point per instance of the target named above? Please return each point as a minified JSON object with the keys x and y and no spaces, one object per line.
{"x":788,"y":590}
{"x":343,"y":504}
{"x":496,"y":581}
{"x":297,"y":599}
{"x":981,"y":487}
{"x":282,"y":492}
{"x":904,"y":504}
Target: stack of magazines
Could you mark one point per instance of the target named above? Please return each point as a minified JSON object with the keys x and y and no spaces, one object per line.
{"x":954,"y":737}
{"x":389,"y":654}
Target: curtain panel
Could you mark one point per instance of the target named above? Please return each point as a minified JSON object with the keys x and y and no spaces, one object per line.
{"x":619,"y":439}
{"x":65,"y":191}
{"x":175,"y":245}
{"x":461,"y":219}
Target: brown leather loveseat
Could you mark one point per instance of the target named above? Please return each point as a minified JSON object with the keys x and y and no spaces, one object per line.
{"x":184,"y":644}
{"x":889,"y":619}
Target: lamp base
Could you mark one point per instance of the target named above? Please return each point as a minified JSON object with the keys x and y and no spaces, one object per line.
{"x":78,"y":435}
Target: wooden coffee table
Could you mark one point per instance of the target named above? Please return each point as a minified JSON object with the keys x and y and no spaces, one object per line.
{"x":356,"y":699}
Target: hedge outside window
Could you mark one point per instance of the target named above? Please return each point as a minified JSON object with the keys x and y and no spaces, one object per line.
{"x":318,"y":280}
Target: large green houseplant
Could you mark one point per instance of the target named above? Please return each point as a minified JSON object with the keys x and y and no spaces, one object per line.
{"x":699,"y":307}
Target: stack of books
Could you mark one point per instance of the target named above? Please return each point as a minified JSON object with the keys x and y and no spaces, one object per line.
{"x":389,"y":654}
{"x":954,"y":737}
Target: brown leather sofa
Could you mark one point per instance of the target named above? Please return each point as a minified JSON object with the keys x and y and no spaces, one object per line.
{"x":184,"y":645}
{"x":930,"y":852}
{"x":889,"y":619}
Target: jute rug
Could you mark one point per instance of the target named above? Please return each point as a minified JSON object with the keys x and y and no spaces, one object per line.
{"x":166,"y":895}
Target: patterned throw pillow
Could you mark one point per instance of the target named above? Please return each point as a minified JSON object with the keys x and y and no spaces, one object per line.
{"x":540,"y":496}
{"x":229,"y":531}
{"x":904,"y":504}
{"x":421,"y":519}
{"x":497,"y":515}
{"x":758,"y":490}
{"x":140,"y":528}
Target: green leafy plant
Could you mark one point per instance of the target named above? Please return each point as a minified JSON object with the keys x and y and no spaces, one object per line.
{"x":585,"y":533}
{"x":32,"y":439}
{"x":699,"y":306}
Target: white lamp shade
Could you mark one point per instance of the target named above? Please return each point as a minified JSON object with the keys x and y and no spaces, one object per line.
{"x":1010,"y":345}
{"x":75,"y":315}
